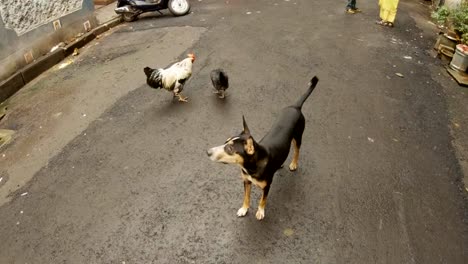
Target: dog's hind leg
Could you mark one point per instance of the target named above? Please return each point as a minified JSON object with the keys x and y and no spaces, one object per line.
{"x":261,"y":206}
{"x":293,"y":165}
{"x":296,"y":142}
{"x":246,"y":204}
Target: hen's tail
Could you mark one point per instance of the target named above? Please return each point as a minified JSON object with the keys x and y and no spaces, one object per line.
{"x":148,"y":71}
{"x":153,"y":77}
{"x":220,"y":79}
{"x":304,"y":97}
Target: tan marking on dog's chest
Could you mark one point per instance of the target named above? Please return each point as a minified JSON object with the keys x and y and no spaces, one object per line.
{"x":260,"y":184}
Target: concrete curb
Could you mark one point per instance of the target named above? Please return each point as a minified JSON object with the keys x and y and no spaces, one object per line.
{"x":32,"y":70}
{"x":79,"y":42}
{"x":11,"y":85}
{"x":106,"y":26}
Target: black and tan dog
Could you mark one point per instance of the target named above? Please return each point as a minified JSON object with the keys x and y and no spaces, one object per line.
{"x":259,"y":161}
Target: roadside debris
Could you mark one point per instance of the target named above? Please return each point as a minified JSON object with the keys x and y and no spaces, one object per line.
{"x":75,"y":52}
{"x":60,"y":45}
{"x":399,"y":75}
{"x":288,"y":232}
{"x":5,"y":136}
{"x":1,"y":179}
{"x":407,"y":57}
{"x":371,"y":140}
{"x":24,"y":194}
{"x":65,"y":64}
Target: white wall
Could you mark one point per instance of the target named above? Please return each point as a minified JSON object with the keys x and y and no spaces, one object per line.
{"x":452,"y":3}
{"x":25,"y":15}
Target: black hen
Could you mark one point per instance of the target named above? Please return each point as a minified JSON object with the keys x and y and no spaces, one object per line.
{"x":220,"y":81}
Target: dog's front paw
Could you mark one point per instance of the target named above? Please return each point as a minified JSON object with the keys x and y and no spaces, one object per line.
{"x":293,"y":166}
{"x":260,"y":214}
{"x":242,"y":211}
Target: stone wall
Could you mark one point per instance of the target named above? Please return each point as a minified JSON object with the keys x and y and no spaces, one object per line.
{"x":27,"y":28}
{"x":26,"y":15}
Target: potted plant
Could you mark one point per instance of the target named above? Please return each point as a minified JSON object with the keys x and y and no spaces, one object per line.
{"x":447,"y":39}
{"x":459,"y":18}
{"x":441,"y":16}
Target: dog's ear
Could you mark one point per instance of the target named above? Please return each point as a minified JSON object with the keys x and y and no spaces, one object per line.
{"x":246,"y":128}
{"x":249,"y":146}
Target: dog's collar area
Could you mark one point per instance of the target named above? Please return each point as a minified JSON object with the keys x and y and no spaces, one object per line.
{"x":245,"y":171}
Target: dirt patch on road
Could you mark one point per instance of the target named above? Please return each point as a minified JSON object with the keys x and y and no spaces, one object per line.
{"x":58,"y":106}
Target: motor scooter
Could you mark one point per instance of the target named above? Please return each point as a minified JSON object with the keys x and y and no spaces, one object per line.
{"x":131,"y":9}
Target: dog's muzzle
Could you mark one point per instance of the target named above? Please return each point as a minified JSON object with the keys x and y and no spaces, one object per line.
{"x":209,"y":152}
{"x":215,"y":153}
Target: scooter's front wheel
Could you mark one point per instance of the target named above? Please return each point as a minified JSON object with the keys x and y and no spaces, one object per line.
{"x":179,"y":7}
{"x":129,"y":17}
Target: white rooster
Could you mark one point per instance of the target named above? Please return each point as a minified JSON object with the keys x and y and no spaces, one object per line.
{"x":172,"y":78}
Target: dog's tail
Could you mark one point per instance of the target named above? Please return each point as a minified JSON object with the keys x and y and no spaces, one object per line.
{"x":304,"y":97}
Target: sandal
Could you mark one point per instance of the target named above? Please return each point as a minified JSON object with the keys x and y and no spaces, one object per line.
{"x":381,"y":22}
{"x":384,"y":23}
{"x":388,"y":24}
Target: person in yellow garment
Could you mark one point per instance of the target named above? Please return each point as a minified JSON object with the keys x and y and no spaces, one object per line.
{"x":388,"y":10}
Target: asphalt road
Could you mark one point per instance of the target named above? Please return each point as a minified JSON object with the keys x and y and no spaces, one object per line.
{"x":378,"y":180}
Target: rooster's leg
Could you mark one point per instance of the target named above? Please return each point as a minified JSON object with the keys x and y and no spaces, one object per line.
{"x":177,"y":89}
{"x":181,"y":98}
{"x":221,"y":94}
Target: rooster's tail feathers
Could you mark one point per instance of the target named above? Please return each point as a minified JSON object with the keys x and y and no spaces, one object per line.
{"x":148,"y":71}
{"x":153,"y":77}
